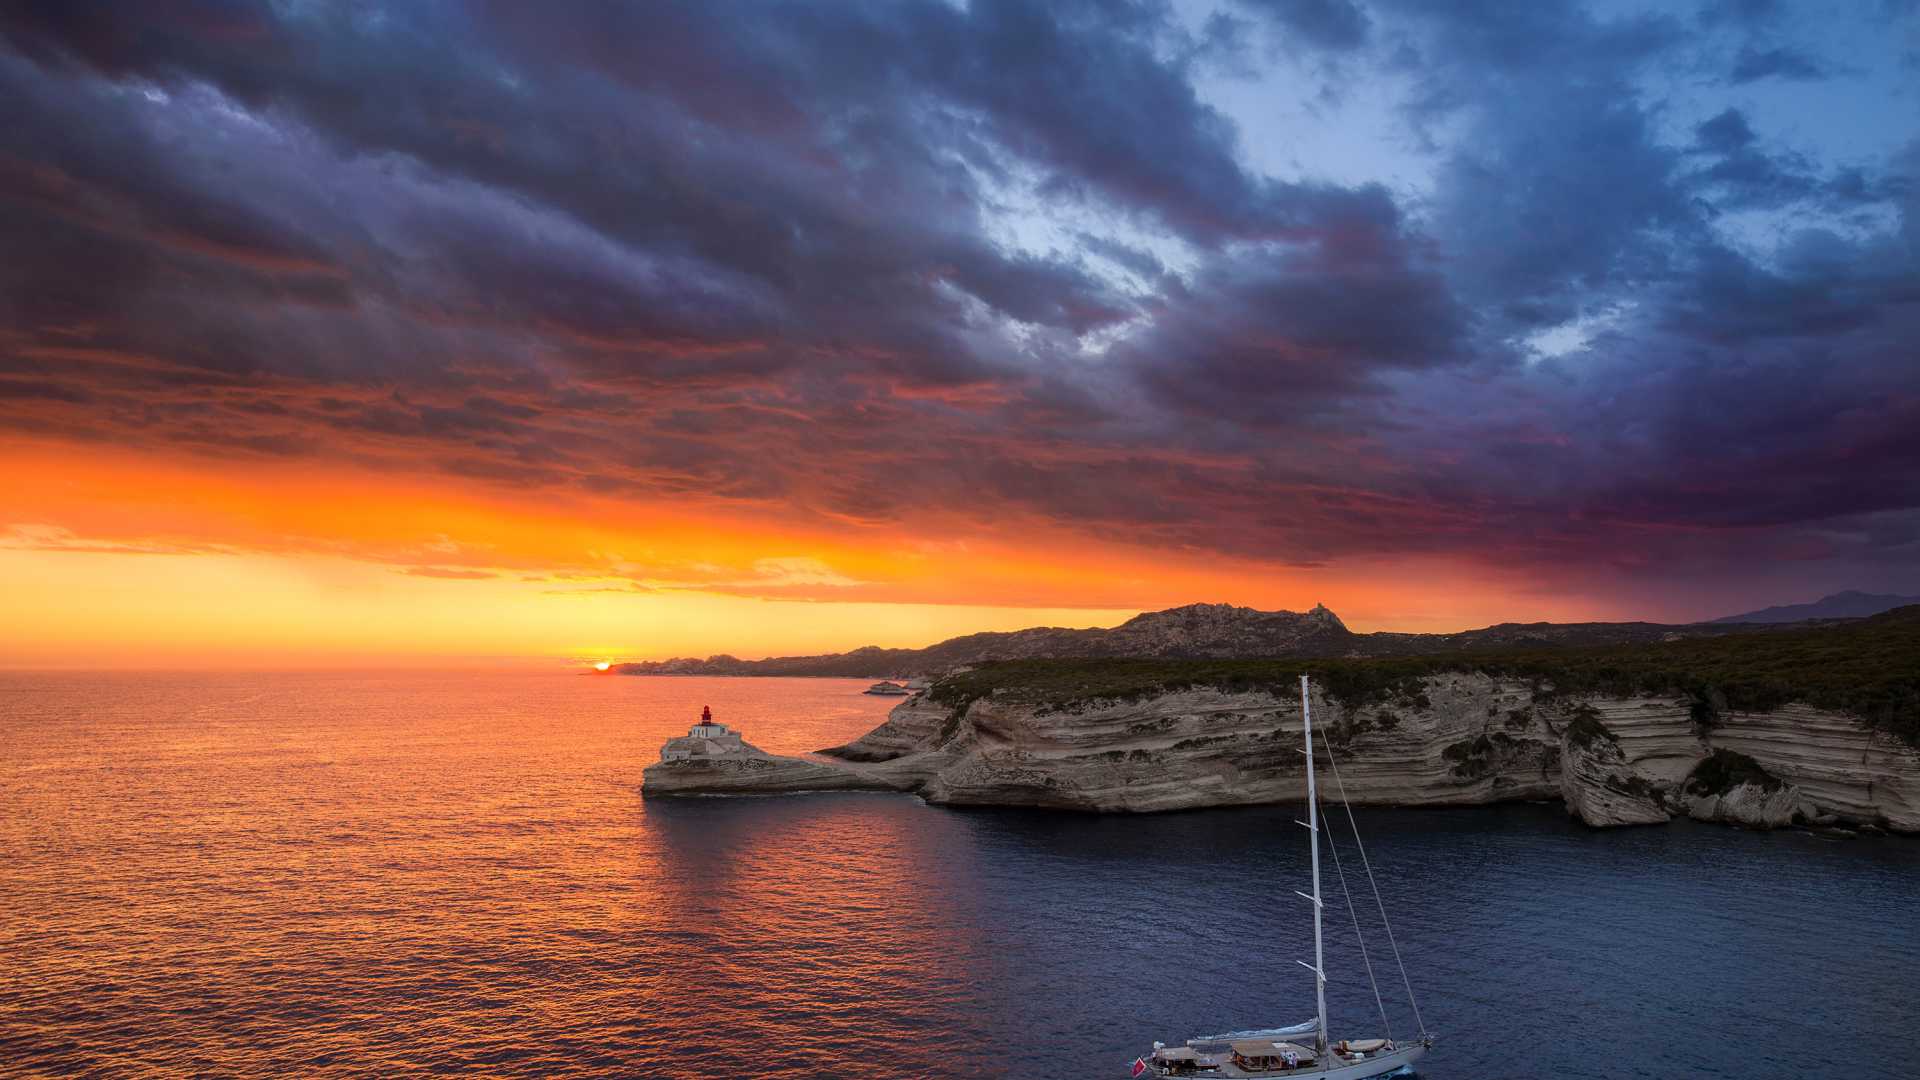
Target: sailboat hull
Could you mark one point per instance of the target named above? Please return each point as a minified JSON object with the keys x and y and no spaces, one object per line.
{"x":1381,"y":1064}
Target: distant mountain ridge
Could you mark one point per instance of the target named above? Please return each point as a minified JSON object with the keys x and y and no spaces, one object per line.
{"x":1193,"y":632}
{"x":1841,"y":605}
{"x":1219,"y":631}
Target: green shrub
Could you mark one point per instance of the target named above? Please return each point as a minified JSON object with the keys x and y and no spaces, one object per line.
{"x":1724,"y":770}
{"x":1586,"y":729}
{"x":1472,"y":758}
{"x":1705,"y":705}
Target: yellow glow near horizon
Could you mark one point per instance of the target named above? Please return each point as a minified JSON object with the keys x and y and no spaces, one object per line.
{"x":103,"y":610}
{"x":111,"y":561}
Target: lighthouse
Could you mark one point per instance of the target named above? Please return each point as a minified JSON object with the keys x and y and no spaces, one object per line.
{"x":706,"y":739}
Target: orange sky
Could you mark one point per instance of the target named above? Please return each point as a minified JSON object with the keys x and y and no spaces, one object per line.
{"x":527,"y":357}
{"x":114,"y":559}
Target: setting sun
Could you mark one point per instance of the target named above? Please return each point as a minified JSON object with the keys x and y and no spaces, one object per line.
{"x":1029,"y":457}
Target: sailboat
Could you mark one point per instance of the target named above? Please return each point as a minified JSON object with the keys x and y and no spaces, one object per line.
{"x":1304,"y":1050}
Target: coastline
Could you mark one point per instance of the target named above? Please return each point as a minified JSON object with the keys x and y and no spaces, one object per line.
{"x":1454,"y":740}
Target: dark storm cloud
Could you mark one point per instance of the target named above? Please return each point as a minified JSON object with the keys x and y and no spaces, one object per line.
{"x":1740,"y":12}
{"x":1329,"y":24}
{"x":1727,"y":133}
{"x":1563,"y":189}
{"x":1743,"y":174}
{"x":1782,"y":62}
{"x":726,"y":223}
{"x":1268,"y":337}
{"x":1003,"y":258}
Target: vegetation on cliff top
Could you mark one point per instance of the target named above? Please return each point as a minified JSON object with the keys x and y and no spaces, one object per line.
{"x":1869,"y":668}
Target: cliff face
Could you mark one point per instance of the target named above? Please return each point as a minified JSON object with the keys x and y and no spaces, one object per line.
{"x":1599,"y":785}
{"x":1205,"y":747}
{"x":1458,"y":739}
{"x":1816,"y":724}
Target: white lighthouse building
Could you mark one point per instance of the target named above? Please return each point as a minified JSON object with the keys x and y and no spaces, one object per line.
{"x":705,"y":739}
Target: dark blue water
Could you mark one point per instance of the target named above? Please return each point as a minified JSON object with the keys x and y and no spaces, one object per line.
{"x":378,"y":874}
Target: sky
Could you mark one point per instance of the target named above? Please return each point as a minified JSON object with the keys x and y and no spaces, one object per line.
{"x":368,"y":333}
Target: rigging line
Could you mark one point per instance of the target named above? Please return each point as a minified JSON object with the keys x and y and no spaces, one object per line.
{"x":1357,"y":842}
{"x":1354,"y":914}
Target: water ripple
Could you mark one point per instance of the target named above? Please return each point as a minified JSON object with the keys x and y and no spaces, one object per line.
{"x":350,"y":875}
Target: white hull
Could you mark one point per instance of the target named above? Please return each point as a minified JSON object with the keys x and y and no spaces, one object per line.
{"x":1380,"y":1064}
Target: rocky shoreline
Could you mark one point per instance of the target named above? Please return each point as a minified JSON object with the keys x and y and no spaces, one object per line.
{"x":1459,"y":738}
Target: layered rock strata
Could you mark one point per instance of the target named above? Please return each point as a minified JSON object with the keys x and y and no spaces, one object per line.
{"x":1450,"y":739}
{"x":1598,"y":784}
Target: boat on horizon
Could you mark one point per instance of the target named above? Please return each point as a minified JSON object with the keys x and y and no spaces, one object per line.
{"x":887,"y":689}
{"x":1272,"y":1052}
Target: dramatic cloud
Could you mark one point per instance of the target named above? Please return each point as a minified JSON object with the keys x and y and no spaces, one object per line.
{"x":1777,"y":63}
{"x":1330,"y":24}
{"x":1548,"y":286}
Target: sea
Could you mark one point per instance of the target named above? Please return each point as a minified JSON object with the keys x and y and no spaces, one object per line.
{"x":321,"y":874}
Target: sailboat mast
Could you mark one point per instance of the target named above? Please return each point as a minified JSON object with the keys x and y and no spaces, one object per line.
{"x":1313,"y":828}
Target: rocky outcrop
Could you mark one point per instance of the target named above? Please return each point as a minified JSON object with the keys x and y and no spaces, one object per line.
{"x":1838,"y":767}
{"x":1751,"y":805}
{"x":914,"y":726}
{"x":1447,"y":739}
{"x":1599,"y":786}
{"x":1731,"y":787}
{"x":753,"y":771}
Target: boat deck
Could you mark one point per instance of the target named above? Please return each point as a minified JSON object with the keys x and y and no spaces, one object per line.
{"x":1336,"y":1067}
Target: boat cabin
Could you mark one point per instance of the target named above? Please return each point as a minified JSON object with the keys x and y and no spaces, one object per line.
{"x":1265,"y":1055}
{"x":1182,"y":1061}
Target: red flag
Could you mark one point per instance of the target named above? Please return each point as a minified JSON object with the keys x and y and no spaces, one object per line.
{"x":1139,"y":1065}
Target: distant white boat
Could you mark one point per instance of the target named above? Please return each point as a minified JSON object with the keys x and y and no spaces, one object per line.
{"x":887,"y":689}
{"x":1270,"y":1052}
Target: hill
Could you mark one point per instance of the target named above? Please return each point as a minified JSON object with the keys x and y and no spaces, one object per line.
{"x":1841,"y":605}
{"x":1196,"y":631}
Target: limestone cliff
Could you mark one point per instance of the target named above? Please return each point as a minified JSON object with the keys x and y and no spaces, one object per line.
{"x":1446,"y":739}
{"x":1598,"y":784}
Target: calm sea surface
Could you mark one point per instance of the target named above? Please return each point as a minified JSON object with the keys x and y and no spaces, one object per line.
{"x":355,"y":874}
